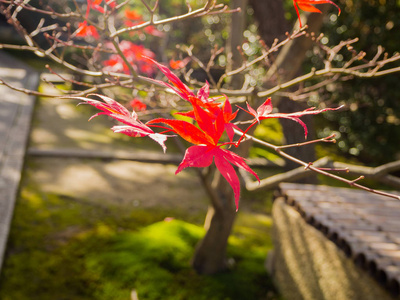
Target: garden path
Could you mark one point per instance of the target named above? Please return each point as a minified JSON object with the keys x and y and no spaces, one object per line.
{"x":69,"y":156}
{"x":15,"y":119}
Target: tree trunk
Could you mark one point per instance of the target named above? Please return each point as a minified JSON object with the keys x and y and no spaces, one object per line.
{"x":294,"y":133}
{"x":270,"y":17}
{"x":272,"y":24}
{"x":210,"y":254}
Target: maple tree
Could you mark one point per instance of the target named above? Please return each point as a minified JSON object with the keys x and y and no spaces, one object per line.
{"x":213,"y":120}
{"x":112,"y":39}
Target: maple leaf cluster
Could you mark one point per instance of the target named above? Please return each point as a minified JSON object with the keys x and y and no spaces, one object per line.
{"x":134,"y":55}
{"x":211,"y":118}
{"x":131,"y":51}
{"x":84,"y":29}
{"x":211,"y":129}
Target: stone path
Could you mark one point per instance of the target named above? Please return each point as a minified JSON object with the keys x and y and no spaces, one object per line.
{"x":15,"y":120}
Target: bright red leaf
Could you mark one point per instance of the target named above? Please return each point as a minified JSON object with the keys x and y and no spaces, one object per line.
{"x":265,"y":109}
{"x":137,"y":105}
{"x":201,"y":156}
{"x":177,"y":85}
{"x":133,"y":15}
{"x":133,"y":126}
{"x":228,"y":117}
{"x":85,"y":30}
{"x":206,"y":138}
{"x":307,"y":5}
{"x":186,"y":130}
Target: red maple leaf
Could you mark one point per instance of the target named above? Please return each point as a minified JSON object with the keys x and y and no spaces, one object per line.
{"x":307,"y":5}
{"x":178,"y":64}
{"x":206,"y":147}
{"x":213,"y":119}
{"x":177,"y":85}
{"x":85,"y":30}
{"x":133,"y":126}
{"x":137,"y":105}
{"x":228,"y":117}
{"x":135,"y":56}
{"x":265,"y":109}
{"x":133,"y":15}
{"x":202,"y":99}
{"x":203,"y":155}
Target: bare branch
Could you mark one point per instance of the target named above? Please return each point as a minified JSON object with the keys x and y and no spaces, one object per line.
{"x":191,"y":14}
{"x":312,"y":167}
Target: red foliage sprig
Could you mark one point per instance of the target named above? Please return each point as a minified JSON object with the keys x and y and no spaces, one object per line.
{"x":212,"y":118}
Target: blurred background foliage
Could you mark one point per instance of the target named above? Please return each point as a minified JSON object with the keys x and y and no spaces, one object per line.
{"x":368,"y":129}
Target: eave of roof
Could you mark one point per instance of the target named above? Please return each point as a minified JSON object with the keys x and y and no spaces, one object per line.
{"x":365,"y":226}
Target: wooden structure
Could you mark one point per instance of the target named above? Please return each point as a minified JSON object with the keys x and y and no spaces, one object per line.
{"x":335,"y":243}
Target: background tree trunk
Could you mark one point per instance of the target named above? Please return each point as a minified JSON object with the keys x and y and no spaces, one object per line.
{"x":270,"y":17}
{"x":272,"y":24}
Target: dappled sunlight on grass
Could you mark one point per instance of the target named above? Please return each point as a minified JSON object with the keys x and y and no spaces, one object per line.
{"x":87,"y":229}
{"x":66,"y":248}
{"x":270,"y":131}
{"x":61,"y":123}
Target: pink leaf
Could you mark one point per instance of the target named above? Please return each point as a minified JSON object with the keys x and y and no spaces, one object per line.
{"x":186,"y":130}
{"x":133,"y":126}
{"x":178,"y":86}
{"x":204,"y":92}
{"x":230,"y":175}
{"x":265,"y":109}
{"x":238,"y":161}
{"x":130,"y":130}
{"x":160,"y":138}
{"x":200,"y":156}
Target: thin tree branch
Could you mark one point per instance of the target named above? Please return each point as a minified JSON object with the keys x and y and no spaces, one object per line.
{"x":312,"y":167}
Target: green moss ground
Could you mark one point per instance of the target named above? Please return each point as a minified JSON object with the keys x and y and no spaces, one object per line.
{"x":66,"y":248}
{"x":63,"y":246}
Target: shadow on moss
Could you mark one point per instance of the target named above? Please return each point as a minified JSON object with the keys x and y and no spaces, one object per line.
{"x":64,"y":248}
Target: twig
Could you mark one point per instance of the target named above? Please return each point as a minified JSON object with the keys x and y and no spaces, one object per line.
{"x":315,"y":169}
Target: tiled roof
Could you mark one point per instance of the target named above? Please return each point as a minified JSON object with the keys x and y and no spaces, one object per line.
{"x":365,"y":226}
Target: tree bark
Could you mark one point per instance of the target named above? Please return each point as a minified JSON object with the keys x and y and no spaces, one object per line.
{"x":210,"y":254}
{"x":270,"y":17}
{"x":287,"y":65}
